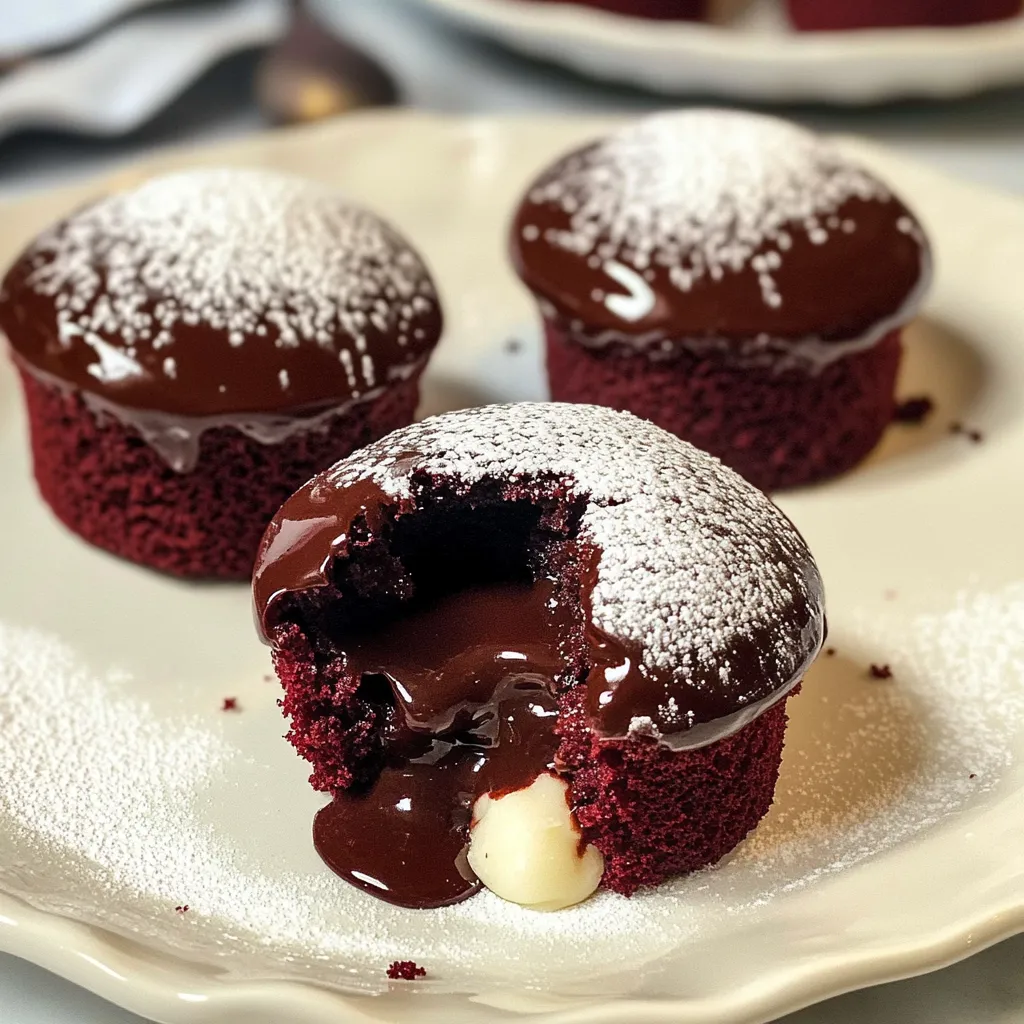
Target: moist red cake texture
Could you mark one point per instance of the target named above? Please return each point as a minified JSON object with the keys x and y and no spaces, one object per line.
{"x":656,"y":813}
{"x":829,"y":15}
{"x":730,"y":277}
{"x":734,"y":412}
{"x":104,"y":482}
{"x":194,"y":350}
{"x":671,"y":752}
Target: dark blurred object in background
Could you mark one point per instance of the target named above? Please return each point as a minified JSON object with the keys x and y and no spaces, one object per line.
{"x":311,"y":74}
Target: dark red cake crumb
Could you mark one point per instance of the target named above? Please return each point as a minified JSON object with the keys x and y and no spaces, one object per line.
{"x":880,"y":672}
{"x":972,"y":435}
{"x":725,"y":788}
{"x":182,"y":909}
{"x":406,"y":970}
{"x":830,"y":652}
{"x":972,"y":776}
{"x":104,"y":482}
{"x":230,"y":704}
{"x":777,"y":429}
{"x":913,"y":411}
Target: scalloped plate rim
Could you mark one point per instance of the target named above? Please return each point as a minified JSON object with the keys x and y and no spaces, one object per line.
{"x":89,"y":958}
{"x":131,"y":976}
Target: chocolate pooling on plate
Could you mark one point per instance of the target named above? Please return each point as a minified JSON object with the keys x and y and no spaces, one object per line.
{"x":473,"y":569}
{"x":472,"y":677}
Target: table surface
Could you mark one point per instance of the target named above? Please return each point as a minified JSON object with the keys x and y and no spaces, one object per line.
{"x":980,"y":138}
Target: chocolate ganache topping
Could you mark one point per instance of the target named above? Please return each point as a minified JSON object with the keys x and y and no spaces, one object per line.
{"x":681,"y":599}
{"x":715,"y":229}
{"x":220,"y":297}
{"x":473,"y":673}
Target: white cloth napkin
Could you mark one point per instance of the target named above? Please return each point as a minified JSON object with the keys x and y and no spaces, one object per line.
{"x":119,"y":79}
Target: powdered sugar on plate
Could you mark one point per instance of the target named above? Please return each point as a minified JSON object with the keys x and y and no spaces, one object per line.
{"x":119,"y":809}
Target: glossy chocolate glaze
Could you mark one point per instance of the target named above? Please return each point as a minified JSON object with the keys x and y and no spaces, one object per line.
{"x":689,"y":706}
{"x":177,"y":439}
{"x":262,"y":372}
{"x":310,"y":531}
{"x":212,"y":378}
{"x":682,"y":707}
{"x":471,"y":677}
{"x":838,"y":296}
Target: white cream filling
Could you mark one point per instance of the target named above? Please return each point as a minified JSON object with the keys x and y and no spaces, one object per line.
{"x":524,"y":846}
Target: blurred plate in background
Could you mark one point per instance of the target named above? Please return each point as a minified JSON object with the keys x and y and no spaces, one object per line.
{"x":755,"y":55}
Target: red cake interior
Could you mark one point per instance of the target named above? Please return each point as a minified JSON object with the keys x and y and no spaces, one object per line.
{"x":777,"y":429}
{"x":105,"y":483}
{"x":653,"y":813}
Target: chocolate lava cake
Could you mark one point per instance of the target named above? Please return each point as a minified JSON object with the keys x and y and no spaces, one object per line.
{"x":731,"y":277}
{"x":501,"y":595}
{"x":195,"y":349}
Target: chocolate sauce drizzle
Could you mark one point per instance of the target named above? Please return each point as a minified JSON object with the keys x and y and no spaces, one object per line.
{"x":331,"y":307}
{"x":473,"y":680}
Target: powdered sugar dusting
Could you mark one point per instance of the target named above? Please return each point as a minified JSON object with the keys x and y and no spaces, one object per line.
{"x":117,"y":811}
{"x":248,"y":253}
{"x":691,"y":555}
{"x":233,"y":829}
{"x":895,"y":756}
{"x":701,"y":193}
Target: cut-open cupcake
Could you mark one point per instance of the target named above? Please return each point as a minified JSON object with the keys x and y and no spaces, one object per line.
{"x":541,"y":647}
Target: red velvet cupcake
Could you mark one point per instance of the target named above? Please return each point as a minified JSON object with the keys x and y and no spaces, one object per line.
{"x":830,"y":15}
{"x":665,"y":10}
{"x":731,"y":277}
{"x":530,"y":610}
{"x":194,"y":350}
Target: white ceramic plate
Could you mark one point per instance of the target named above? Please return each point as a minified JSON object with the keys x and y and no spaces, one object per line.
{"x":751,"y":53}
{"x":894,"y":845}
